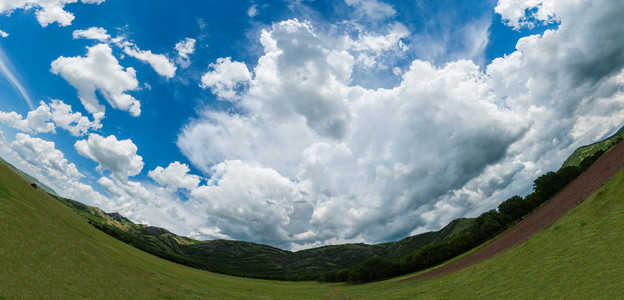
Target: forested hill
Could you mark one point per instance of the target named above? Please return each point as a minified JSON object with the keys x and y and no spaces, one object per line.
{"x":256,"y":260}
{"x":597,"y":149}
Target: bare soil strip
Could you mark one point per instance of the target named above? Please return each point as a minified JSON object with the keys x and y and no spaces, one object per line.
{"x":574,"y":193}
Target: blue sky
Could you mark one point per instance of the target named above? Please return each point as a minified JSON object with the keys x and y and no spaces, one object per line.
{"x":304,"y":123}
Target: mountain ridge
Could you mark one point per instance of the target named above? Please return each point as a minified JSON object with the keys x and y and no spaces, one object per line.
{"x":250,"y":259}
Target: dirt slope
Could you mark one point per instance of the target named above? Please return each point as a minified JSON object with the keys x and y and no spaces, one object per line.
{"x":577,"y":191}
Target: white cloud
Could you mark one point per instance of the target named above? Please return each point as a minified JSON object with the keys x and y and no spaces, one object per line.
{"x":46,"y":117}
{"x":74,"y":122}
{"x":3,"y":34}
{"x":252,"y":11}
{"x":306,"y":156}
{"x":364,"y":176}
{"x":373,"y":9}
{"x":92,"y":33}
{"x":373,"y":50}
{"x":120,"y":157}
{"x":300,"y":75}
{"x":447,"y":141}
{"x":41,"y":159}
{"x":43,"y":153}
{"x":46,"y":11}
{"x":443,"y":40}
{"x":248,"y":202}
{"x":379,"y":43}
{"x":100,"y":71}
{"x":147,"y":204}
{"x":529,"y":13}
{"x":226,"y":78}
{"x":37,"y":120}
{"x":175,"y":176}
{"x":159,"y":62}
{"x":185,"y":49}
{"x":6,"y":68}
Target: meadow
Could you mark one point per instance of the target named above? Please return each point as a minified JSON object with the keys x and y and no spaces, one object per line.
{"x":49,"y":251}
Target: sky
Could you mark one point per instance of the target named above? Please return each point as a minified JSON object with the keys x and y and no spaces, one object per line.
{"x":302,"y":123}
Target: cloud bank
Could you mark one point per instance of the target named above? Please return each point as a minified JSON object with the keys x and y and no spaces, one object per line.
{"x":301,"y":151}
{"x":325,"y":159}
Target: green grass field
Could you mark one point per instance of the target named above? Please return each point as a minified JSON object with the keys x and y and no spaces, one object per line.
{"x":578,"y":257}
{"x":48,"y":251}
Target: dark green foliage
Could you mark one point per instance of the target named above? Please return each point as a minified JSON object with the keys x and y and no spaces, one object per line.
{"x":374,"y":268}
{"x":546,"y":185}
{"x":484,"y":227}
{"x":488,"y":224}
{"x":513,"y":209}
{"x":588,"y":161}
{"x":245,"y":259}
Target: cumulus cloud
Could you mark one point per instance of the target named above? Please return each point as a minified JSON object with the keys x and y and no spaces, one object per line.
{"x":226,"y":78}
{"x":529,"y":13}
{"x":248,"y":202}
{"x":372,"y":49}
{"x":449,"y":140}
{"x":120,"y":157}
{"x":47,"y":12}
{"x":100,"y":71}
{"x":3,"y":34}
{"x":306,"y":156}
{"x":159,"y":62}
{"x":175,"y":176}
{"x":300,"y":76}
{"x":41,"y":159}
{"x":37,"y":120}
{"x":40,"y":152}
{"x":156,"y":206}
{"x":46,"y":117}
{"x":92,"y":33}
{"x":364,"y":175}
{"x":185,"y":49}
{"x":74,"y":122}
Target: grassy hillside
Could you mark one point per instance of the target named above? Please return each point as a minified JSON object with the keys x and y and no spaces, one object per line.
{"x":581,"y":153}
{"x":50,"y":252}
{"x":30,"y":178}
{"x":579,"y":257}
{"x":251,"y":259}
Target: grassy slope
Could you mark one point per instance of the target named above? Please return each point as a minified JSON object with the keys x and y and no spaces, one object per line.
{"x":579,"y":256}
{"x":48,"y":251}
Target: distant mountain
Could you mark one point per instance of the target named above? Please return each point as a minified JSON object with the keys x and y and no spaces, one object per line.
{"x":251,"y":259}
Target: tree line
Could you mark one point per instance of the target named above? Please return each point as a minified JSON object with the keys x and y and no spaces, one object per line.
{"x":486,"y":226}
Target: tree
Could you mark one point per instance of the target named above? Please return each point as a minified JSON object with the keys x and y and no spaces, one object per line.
{"x":513,"y":209}
{"x":546,"y":185}
{"x":487,"y":224}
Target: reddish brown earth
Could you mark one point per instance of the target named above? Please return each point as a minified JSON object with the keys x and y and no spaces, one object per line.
{"x":578,"y":190}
